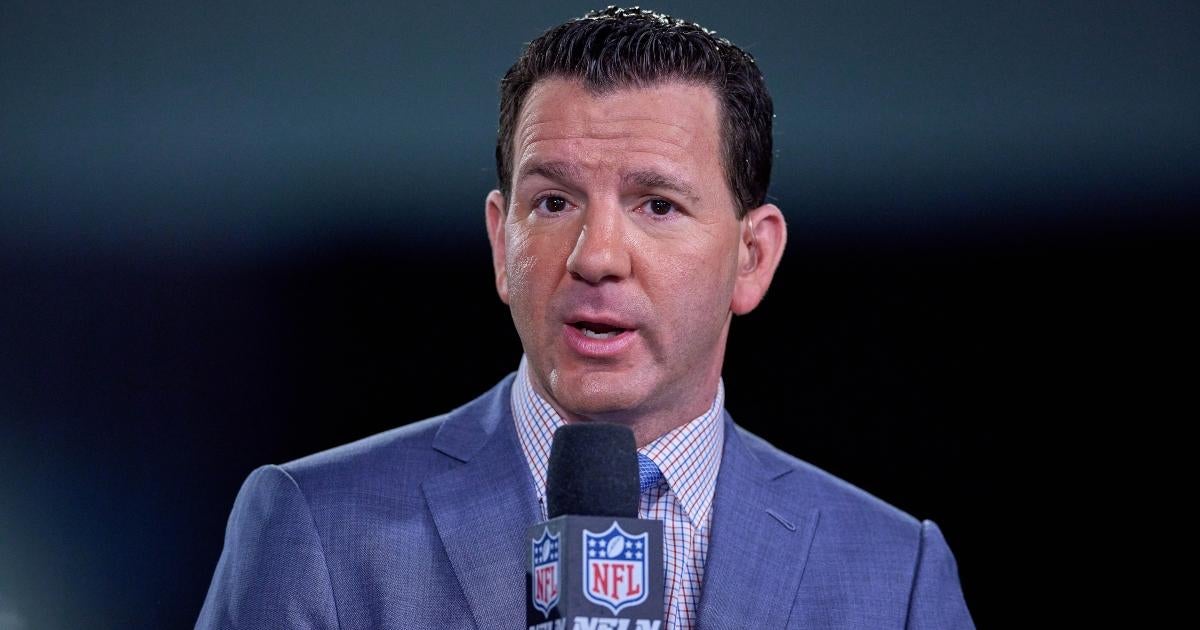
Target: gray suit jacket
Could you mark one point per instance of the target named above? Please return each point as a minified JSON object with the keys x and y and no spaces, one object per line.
{"x":423,"y":527}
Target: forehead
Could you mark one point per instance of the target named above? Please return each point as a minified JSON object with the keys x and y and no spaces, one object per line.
{"x":670,"y":125}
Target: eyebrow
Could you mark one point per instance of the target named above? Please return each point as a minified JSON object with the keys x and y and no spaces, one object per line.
{"x":562,"y":172}
{"x":655,"y":179}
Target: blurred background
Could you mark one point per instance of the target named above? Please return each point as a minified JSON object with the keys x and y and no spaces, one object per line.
{"x":235,"y":233}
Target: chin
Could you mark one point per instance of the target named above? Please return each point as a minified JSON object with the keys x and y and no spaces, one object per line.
{"x":597,"y":394}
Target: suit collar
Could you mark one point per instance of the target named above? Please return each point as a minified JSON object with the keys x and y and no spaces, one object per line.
{"x":482,"y":507}
{"x":760,"y":539}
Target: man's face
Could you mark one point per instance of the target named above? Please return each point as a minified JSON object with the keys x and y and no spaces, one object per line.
{"x":619,"y":249}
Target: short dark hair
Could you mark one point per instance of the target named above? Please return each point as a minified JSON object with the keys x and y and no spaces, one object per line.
{"x":618,"y":48}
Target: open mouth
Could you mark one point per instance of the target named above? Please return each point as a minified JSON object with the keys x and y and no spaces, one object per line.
{"x":593,"y":330}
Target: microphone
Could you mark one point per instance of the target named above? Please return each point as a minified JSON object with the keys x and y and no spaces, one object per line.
{"x":594,"y":565}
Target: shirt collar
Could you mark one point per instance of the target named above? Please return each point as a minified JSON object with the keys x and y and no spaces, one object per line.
{"x":689,"y":456}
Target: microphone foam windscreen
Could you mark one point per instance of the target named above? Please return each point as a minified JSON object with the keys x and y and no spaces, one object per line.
{"x":593,"y":471}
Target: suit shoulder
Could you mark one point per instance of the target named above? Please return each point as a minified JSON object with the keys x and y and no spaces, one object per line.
{"x":887,"y":564}
{"x":837,"y":498}
{"x":404,"y":455}
{"x":415,"y":436}
{"x":393,"y":454}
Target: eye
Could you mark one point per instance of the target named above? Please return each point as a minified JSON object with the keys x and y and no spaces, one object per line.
{"x":658,"y":207}
{"x":551,"y":204}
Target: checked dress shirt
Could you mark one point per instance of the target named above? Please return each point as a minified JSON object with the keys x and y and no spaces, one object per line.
{"x":678,"y":472}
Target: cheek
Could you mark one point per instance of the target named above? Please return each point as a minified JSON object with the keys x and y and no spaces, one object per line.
{"x":699,"y":287}
{"x":534,"y":264}
{"x":520,"y":270}
{"x":519,"y":264}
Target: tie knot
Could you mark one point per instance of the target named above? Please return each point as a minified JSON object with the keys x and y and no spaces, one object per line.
{"x":649,"y":475}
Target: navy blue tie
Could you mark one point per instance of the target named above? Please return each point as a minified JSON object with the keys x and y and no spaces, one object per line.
{"x":649,"y":475}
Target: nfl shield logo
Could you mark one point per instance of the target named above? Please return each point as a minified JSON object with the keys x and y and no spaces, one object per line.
{"x":615,"y":573}
{"x":545,"y":572}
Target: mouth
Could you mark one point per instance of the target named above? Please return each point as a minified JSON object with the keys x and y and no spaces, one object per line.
{"x":599,"y":336}
{"x":597,"y":330}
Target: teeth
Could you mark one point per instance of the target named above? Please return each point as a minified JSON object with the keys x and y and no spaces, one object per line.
{"x":591,"y":334}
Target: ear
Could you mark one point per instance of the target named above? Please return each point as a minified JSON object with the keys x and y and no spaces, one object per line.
{"x":495,"y":211}
{"x":764,"y":235}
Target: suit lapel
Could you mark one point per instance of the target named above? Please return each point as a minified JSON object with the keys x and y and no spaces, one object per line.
{"x":482,"y":507}
{"x":759,"y":544}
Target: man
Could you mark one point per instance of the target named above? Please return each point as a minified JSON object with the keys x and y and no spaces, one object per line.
{"x":629,"y":226}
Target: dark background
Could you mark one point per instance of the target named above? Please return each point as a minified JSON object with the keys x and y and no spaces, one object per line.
{"x":236,"y":233}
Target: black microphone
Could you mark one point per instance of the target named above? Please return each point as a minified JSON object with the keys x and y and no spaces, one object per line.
{"x":594,"y":564}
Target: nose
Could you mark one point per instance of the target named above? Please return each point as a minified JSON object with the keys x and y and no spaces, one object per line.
{"x":600,"y":251}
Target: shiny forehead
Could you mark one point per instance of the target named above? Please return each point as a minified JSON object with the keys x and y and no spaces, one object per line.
{"x":675,"y":121}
